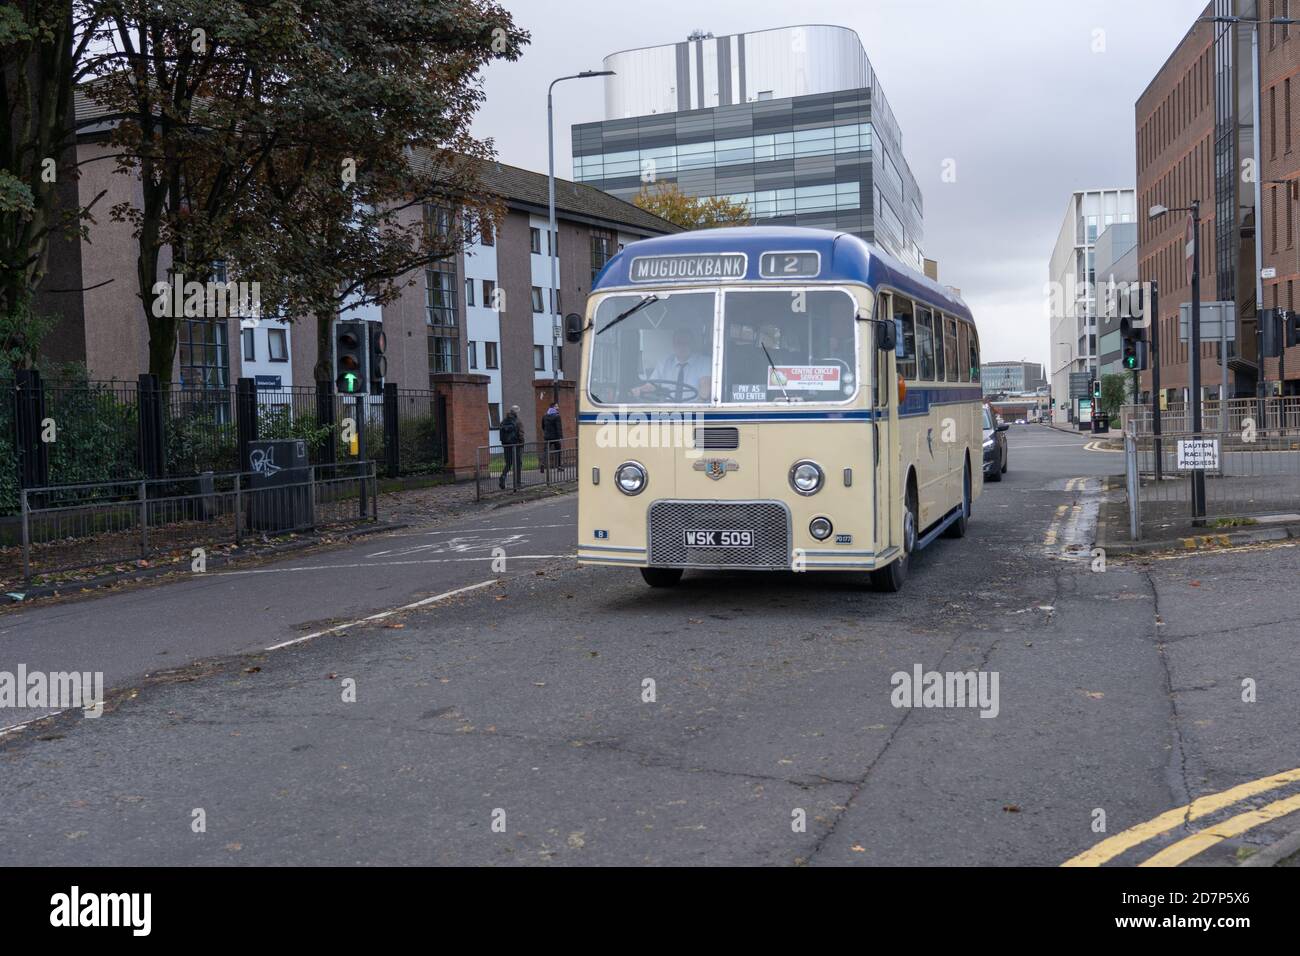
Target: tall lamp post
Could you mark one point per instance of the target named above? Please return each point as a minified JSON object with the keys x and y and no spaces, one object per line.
{"x":552,"y":237}
{"x":1194,"y":348}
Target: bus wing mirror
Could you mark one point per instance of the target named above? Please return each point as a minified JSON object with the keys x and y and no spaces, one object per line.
{"x":886,"y":336}
{"x":573,"y":327}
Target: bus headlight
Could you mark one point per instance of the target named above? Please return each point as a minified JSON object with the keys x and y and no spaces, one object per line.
{"x":820,"y":528}
{"x":631,"y":478}
{"x":806,"y":477}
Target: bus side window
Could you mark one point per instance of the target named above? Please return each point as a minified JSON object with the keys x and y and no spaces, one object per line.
{"x":963,"y":350}
{"x":906,"y":337}
{"x":974,"y":354}
{"x":951,"y":354}
{"x":925,"y":345}
{"x":939,"y":352}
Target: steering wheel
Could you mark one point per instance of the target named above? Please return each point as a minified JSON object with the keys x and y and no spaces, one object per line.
{"x":665,"y":390}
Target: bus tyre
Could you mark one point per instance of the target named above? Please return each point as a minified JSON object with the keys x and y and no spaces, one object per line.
{"x":892,"y":577}
{"x":661,"y":577}
{"x":958,"y":528}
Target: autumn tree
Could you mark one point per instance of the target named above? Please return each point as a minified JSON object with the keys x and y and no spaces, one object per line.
{"x":246,"y":121}
{"x":379,"y":176}
{"x":45,"y":51}
{"x":667,"y":201}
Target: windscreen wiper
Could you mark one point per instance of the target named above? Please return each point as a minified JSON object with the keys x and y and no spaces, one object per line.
{"x":623,"y":315}
{"x":773,"y":365}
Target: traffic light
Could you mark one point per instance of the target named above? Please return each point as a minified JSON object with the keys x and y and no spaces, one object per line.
{"x":350,"y":356}
{"x":1133,"y":349}
{"x":1096,"y":388}
{"x":1291,"y":323}
{"x":378,"y":364}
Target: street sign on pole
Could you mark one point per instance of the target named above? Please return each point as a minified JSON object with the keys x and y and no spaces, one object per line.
{"x":1190,"y":247}
{"x":1080,"y":384}
{"x":1213,"y":315}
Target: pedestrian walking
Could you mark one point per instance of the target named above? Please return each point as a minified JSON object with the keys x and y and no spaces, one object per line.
{"x":512,"y":446}
{"x":553,"y":433}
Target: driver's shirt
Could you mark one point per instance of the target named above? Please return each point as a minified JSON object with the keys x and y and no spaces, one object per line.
{"x":690,"y":372}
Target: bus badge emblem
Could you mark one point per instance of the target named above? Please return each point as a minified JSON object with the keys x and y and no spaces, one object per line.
{"x":717,"y":468}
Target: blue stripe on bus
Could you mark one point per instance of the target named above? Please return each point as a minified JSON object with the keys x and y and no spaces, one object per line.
{"x":855,"y":415}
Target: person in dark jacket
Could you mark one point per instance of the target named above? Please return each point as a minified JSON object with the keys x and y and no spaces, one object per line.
{"x":512,"y":446}
{"x":553,"y":432}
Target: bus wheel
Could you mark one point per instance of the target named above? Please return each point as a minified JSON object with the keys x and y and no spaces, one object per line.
{"x":661,"y":577}
{"x":891,"y":578}
{"x":958,"y":528}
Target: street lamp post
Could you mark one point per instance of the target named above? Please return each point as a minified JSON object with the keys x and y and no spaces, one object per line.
{"x":552,"y":237}
{"x":1194,"y":347}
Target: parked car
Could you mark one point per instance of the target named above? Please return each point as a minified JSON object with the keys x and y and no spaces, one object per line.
{"x":995,"y":447}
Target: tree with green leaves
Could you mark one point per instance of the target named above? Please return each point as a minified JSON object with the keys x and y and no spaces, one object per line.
{"x":379,"y":176}
{"x":1115,"y":391}
{"x":46,"y":47}
{"x":667,"y":201}
{"x":246,"y":123}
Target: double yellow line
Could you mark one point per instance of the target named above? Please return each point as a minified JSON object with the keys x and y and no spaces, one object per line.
{"x":1202,"y":840}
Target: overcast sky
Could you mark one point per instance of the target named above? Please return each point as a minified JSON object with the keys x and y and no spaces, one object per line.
{"x":1013,"y":90}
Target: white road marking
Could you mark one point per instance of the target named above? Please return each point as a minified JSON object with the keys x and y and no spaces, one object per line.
{"x":383,"y":614}
{"x":389,"y":564}
{"x":27,"y":723}
{"x":520,"y":527}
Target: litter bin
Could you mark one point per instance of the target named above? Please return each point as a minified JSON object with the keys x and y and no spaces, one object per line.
{"x":279,"y":490}
{"x":1101,"y":423}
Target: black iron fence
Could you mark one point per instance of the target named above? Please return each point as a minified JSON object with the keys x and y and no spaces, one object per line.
{"x":77,"y":432}
{"x":504,"y":469}
{"x":92,"y":525}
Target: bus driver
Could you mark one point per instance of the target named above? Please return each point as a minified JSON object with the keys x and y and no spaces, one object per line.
{"x":683,"y":376}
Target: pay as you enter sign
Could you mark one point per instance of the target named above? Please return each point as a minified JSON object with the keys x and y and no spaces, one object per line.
{"x":1196,"y":453}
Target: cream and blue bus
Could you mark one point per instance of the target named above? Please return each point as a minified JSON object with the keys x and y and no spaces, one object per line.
{"x":772,"y":398}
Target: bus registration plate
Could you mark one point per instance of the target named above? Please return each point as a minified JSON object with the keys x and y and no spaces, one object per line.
{"x":719,"y":539}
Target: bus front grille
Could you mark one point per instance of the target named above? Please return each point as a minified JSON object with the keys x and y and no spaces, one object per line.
{"x":768,"y":520}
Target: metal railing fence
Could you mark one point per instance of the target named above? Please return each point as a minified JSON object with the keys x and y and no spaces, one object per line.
{"x":1250,"y":478}
{"x":70,"y":527}
{"x":502,"y":469}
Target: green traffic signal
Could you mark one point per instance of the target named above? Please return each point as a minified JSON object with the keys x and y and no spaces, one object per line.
{"x":349,"y":381}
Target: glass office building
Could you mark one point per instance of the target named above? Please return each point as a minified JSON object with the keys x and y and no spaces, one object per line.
{"x":791,"y":121}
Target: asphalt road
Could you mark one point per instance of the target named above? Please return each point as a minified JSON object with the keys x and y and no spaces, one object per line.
{"x":524,"y":703}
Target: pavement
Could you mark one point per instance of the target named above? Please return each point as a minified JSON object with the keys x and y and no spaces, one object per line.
{"x":543,"y":713}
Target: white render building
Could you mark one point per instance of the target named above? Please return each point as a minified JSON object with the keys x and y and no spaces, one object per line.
{"x":1071,"y":296}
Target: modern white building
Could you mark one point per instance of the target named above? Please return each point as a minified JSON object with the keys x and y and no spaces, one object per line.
{"x":791,"y":121}
{"x":1071,"y":289}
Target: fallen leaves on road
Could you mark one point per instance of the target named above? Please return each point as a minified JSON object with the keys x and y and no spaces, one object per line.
{"x":858,"y":848}
{"x":1011,"y":808}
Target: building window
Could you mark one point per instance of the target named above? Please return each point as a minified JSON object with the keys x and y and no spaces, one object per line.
{"x":440,"y":295}
{"x":539,"y":305}
{"x":487,"y":236}
{"x":494,"y":415}
{"x":277,"y":344}
{"x":472,"y":352}
{"x":204,"y":361}
{"x":535,"y":241}
{"x":469,"y":292}
{"x":490,"y":359}
{"x":602,"y":250}
{"x":539,"y":358}
{"x":489,"y":293}
{"x":250,"y":345}
{"x":443,"y":350}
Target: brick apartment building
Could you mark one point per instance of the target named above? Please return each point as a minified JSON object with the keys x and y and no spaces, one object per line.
{"x":1279,"y":53}
{"x":485,"y":316}
{"x":1194,"y":127}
